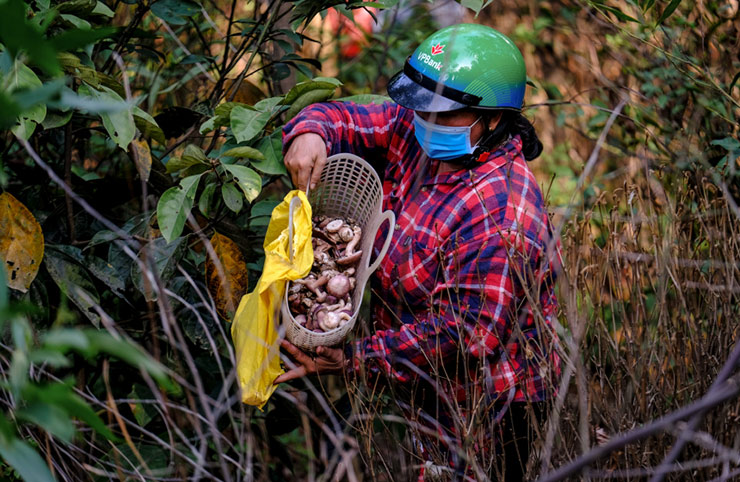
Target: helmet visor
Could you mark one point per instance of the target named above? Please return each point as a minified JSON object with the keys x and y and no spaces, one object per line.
{"x":406,"y":92}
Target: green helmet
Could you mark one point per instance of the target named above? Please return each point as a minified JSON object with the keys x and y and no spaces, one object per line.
{"x":465,"y":65}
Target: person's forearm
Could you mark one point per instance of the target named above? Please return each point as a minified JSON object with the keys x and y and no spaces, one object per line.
{"x":405,"y":353}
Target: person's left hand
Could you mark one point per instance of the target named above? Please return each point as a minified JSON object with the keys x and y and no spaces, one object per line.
{"x":327,"y":360}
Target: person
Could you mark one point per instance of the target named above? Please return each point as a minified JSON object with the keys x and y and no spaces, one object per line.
{"x":464,"y":300}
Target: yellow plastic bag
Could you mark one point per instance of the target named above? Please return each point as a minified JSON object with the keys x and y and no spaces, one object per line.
{"x":254,"y":329}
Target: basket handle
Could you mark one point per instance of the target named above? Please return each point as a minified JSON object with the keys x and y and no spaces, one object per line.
{"x":294,"y":204}
{"x":391,"y":218}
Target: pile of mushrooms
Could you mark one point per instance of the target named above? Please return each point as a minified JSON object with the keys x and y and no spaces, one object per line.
{"x":322,"y":301}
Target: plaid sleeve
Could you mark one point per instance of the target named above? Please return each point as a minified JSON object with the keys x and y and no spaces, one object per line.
{"x":474,"y":302}
{"x":364,"y":130}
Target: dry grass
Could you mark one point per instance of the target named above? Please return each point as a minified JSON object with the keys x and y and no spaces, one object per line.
{"x":649,"y":302}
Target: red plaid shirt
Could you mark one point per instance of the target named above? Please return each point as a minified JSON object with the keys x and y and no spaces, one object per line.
{"x":467,"y":258}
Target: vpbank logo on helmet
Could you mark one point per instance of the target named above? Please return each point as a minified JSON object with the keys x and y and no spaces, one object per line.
{"x":427,"y":59}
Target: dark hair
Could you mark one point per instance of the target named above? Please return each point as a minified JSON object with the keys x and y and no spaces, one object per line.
{"x":511,"y":124}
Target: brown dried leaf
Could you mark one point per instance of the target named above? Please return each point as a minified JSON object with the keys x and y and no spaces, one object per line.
{"x":248,"y":92}
{"x":142,"y":158}
{"x":227,"y":279}
{"x":21,"y":242}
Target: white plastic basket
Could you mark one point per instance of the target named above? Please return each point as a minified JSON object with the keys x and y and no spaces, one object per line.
{"x":350,"y":188}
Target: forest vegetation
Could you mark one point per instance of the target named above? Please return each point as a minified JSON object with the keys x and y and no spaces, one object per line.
{"x":140,"y":159}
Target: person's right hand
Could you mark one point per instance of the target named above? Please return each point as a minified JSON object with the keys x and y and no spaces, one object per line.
{"x":305,"y":159}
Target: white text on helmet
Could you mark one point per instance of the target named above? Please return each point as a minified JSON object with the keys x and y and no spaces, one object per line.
{"x":427,"y":59}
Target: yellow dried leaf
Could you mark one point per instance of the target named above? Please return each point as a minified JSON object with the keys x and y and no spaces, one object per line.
{"x":21,"y":242}
{"x":227,"y":279}
{"x":142,"y":158}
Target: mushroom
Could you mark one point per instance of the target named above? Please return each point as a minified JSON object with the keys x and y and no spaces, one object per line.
{"x":350,"y":256}
{"x":315,"y":284}
{"x":335,"y":225}
{"x":320,"y":252}
{"x":322,"y":221}
{"x":346,"y":233}
{"x":338,"y":286}
{"x":323,"y":297}
{"x":330,"y":320}
{"x":352,"y":243}
{"x":351,"y":259}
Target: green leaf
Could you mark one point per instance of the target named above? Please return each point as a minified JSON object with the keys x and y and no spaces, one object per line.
{"x":74,"y":281}
{"x":62,"y":395}
{"x":29,"y":464}
{"x":65,"y":339}
{"x":175,"y":205}
{"x":246,"y":123}
{"x":195,"y":170}
{"x":103,"y":9}
{"x":50,"y":418}
{"x":324,"y":83}
{"x":9,"y":110}
{"x":119,"y":124}
{"x":106,"y":273}
{"x":56,"y":119}
{"x":148,"y":126}
{"x":81,"y":7}
{"x":100,"y":268}
{"x":272,"y":164}
{"x":77,"y":38}
{"x":165,"y":257}
{"x":258,"y":222}
{"x":729,"y":143}
{"x":232,"y":197}
{"x":307,"y":99}
{"x":206,"y":198}
{"x":49,"y":357}
{"x":75,"y":21}
{"x":224,"y":110}
{"x":194,"y":155}
{"x":24,"y":79}
{"x":669,"y":9}
{"x":175,"y":12}
{"x":366,"y":99}
{"x":617,"y":12}
{"x":17,"y":34}
{"x":134,"y":355}
{"x":24,"y":128}
{"x":143,"y":412}
{"x":474,"y":5}
{"x":248,"y":152}
{"x":208,"y":125}
{"x":247,"y":179}
{"x":175,"y":164}
{"x":263,"y":208}
{"x":271,"y":104}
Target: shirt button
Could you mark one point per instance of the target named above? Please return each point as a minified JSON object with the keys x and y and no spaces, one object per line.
{"x":424,"y":189}
{"x":398,"y":226}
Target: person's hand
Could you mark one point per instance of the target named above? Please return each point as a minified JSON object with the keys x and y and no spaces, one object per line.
{"x":327,"y":360}
{"x":305,"y":159}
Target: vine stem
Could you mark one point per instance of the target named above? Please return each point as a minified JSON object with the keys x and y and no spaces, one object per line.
{"x":69,"y":192}
{"x":68,"y":180}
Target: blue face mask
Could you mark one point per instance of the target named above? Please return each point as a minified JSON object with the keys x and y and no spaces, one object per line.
{"x":443,"y":142}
